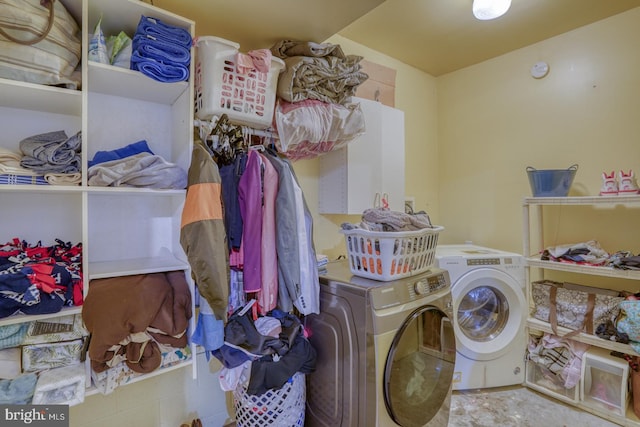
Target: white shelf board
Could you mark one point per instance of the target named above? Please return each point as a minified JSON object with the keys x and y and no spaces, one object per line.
{"x":46,"y":189}
{"x":583,"y":269}
{"x":128,"y":14}
{"x":117,"y":81}
{"x":583,"y":337}
{"x":49,"y":99}
{"x":71,"y":189}
{"x":129,"y":267}
{"x":133,"y":190}
{"x":162,"y":370}
{"x":22,"y":318}
{"x":582,"y":200}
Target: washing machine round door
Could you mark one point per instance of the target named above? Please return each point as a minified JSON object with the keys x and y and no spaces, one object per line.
{"x":489,"y":308}
{"x":419,"y":369}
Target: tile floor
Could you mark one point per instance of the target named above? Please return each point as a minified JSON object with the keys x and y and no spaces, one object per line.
{"x":516,"y":407}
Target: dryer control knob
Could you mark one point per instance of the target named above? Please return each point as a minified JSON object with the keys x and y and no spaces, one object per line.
{"x":422,"y":287}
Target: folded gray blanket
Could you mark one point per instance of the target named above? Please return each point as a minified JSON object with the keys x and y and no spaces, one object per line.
{"x":329,"y":79}
{"x":287,"y":48}
{"x":140,"y":170}
{"x":52,"y":152}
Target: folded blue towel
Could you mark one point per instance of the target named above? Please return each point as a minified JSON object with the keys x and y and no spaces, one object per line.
{"x":120,"y":153}
{"x":166,"y":73}
{"x":161,"y":50}
{"x":155,"y":27}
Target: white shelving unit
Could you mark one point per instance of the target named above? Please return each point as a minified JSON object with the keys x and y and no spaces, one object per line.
{"x":534,"y":243}
{"x":123,"y":231}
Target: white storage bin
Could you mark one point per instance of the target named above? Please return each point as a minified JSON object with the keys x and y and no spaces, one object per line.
{"x":247,"y":99}
{"x":539,"y":377}
{"x":605,"y":381}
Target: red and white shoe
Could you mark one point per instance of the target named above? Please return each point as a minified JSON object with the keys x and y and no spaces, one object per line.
{"x":609,"y":184}
{"x":627,"y":185}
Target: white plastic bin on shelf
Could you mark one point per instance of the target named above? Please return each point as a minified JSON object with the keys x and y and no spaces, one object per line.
{"x":539,"y":376}
{"x":246,"y":98}
{"x":388,"y":255}
{"x":605,"y":381}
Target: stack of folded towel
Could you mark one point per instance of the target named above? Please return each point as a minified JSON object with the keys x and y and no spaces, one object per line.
{"x":52,"y":152}
{"x":161,"y":51}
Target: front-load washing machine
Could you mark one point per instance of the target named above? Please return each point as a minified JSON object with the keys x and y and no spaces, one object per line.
{"x":489,"y":314}
{"x":385,"y":351}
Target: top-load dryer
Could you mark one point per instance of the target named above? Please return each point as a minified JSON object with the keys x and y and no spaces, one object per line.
{"x":489,"y":314}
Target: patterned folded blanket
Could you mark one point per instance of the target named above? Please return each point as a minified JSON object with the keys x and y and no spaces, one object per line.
{"x":317,"y":71}
{"x":9,"y":179}
{"x":327,"y":79}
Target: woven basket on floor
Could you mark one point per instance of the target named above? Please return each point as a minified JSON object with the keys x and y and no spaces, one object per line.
{"x":282,"y":407}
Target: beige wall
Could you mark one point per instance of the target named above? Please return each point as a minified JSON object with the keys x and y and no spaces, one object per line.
{"x":416,"y":97}
{"x":494,"y":120}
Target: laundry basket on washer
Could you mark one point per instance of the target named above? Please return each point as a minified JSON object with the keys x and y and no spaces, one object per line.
{"x":391,"y":255}
{"x":281,"y":407}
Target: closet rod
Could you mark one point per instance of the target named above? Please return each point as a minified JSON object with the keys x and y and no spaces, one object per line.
{"x":266,"y":133}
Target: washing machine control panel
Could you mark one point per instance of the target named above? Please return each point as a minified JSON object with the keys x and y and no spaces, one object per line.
{"x":483,"y":261}
{"x":389,"y":294}
{"x":430,"y":284}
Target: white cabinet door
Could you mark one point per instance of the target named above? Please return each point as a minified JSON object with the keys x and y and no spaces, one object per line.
{"x":372,"y":164}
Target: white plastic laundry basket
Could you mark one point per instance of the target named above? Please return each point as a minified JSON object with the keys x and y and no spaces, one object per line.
{"x":247,"y":99}
{"x":281,"y":407}
{"x":387,"y":255}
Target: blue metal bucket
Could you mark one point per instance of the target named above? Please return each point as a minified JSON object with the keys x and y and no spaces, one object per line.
{"x":551,"y":182}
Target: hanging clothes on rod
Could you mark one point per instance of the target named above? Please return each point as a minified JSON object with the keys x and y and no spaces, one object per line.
{"x":268,"y":224}
{"x":279,"y":256}
{"x":257,"y":192}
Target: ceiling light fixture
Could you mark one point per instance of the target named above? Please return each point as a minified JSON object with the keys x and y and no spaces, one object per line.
{"x":485,"y":10}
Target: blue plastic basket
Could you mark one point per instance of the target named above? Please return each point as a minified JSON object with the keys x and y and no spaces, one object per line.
{"x":551,"y":182}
